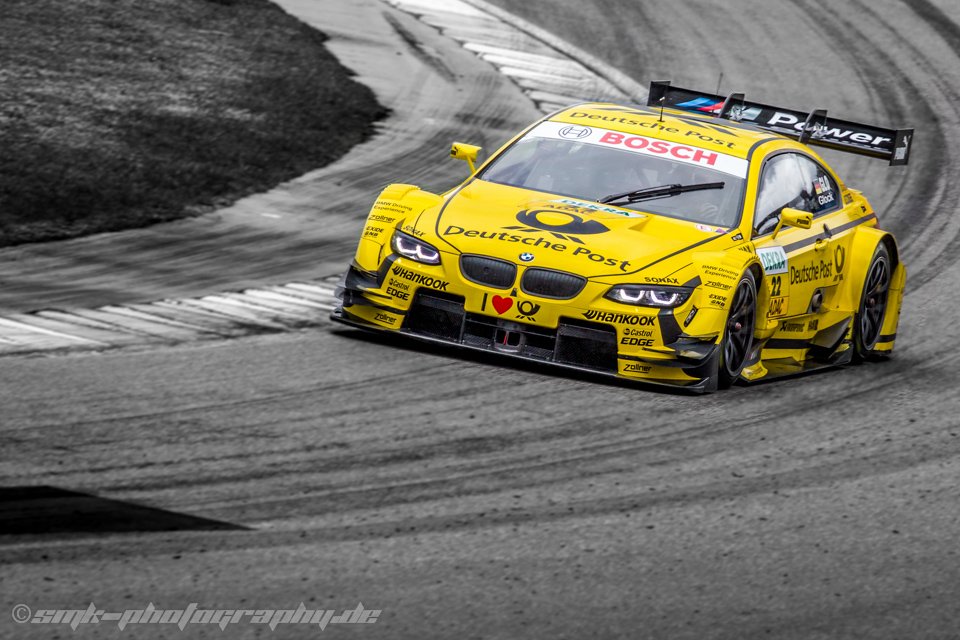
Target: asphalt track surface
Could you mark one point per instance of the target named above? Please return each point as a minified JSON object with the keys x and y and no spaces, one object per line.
{"x":466,"y":498}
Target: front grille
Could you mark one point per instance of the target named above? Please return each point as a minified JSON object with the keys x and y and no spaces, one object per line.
{"x":547,"y":283}
{"x":498,"y":274}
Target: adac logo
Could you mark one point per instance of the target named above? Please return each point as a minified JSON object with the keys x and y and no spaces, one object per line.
{"x":559,"y":223}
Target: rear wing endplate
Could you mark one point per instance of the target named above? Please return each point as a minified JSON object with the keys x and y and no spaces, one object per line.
{"x":812,"y":127}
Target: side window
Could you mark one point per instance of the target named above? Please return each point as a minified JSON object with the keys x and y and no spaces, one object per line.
{"x":781,"y":185}
{"x":823,"y":191}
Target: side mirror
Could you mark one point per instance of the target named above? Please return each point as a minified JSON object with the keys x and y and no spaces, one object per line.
{"x":464,"y":151}
{"x":794,"y":218}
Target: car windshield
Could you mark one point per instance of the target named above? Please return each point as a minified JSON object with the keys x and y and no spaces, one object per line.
{"x":598,"y":164}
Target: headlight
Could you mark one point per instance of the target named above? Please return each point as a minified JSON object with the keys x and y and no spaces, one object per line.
{"x":649,"y":296}
{"x":410,"y":247}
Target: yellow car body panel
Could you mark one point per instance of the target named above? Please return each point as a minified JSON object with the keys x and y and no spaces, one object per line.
{"x":528,"y":272}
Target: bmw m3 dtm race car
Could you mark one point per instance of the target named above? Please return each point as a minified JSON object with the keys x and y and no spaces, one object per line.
{"x":693,"y":242}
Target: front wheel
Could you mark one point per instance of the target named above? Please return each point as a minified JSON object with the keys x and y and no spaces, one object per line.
{"x":868,"y":322}
{"x":738,"y":332}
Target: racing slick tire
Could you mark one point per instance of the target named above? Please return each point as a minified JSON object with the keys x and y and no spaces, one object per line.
{"x":868,"y":321}
{"x":738,"y":331}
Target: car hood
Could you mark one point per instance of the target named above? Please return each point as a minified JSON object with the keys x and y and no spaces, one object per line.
{"x":556,"y":232}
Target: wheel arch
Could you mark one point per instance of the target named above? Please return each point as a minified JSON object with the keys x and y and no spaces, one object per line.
{"x":733,"y":263}
{"x":397,"y":205}
{"x":757,"y":272}
{"x":864,"y":245}
{"x":892,"y":247}
{"x":763,"y":294}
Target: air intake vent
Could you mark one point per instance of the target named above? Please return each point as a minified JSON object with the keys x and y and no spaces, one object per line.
{"x":498,"y":274}
{"x":587,"y":345}
{"x":436,"y":314}
{"x":551,"y":284}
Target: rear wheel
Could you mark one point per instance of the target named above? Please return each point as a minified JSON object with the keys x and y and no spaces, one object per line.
{"x":738,"y":333}
{"x":868,"y":323}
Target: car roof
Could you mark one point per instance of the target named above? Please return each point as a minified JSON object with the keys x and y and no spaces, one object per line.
{"x":705,"y":131}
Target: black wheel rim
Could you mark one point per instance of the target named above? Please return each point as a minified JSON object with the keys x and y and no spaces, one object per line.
{"x":874,"y":304}
{"x":740,"y":328}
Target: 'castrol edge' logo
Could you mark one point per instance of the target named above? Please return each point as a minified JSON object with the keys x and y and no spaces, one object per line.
{"x":643,"y":145}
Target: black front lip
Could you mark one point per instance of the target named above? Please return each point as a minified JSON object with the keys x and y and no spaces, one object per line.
{"x":701,"y":368}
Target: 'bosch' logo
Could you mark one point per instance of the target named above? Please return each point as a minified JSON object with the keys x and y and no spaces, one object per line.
{"x":574,"y":132}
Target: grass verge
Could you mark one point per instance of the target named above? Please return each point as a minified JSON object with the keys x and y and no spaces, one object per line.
{"x":119,"y":113}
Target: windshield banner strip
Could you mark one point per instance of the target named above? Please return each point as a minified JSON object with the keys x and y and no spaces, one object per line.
{"x":643,"y":145}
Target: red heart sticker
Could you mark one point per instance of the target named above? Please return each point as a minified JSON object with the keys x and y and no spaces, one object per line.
{"x":502,"y":305}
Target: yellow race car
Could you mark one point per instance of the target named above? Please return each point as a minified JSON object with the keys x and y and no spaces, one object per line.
{"x":693,"y":242}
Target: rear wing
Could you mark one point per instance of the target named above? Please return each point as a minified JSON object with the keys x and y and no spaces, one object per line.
{"x":812,"y":127}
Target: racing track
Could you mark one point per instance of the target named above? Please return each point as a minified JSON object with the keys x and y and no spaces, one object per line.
{"x":467,"y":499}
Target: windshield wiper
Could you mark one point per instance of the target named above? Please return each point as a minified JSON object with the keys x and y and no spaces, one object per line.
{"x":662,"y":191}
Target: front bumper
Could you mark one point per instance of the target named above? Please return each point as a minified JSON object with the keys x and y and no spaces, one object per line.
{"x":370,"y":301}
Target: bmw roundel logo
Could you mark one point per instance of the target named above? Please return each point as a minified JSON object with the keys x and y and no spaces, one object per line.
{"x":526,"y":257}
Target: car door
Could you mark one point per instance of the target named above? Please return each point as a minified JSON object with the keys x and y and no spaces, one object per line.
{"x":832,"y":221}
{"x":791,"y":258}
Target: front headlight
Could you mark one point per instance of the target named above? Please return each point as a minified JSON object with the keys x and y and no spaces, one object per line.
{"x":410,"y":247}
{"x":644,"y":295}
